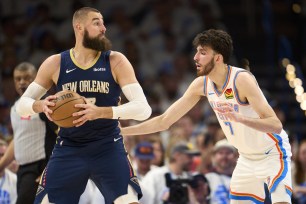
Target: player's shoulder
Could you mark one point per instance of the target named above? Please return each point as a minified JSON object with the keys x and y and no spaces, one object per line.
{"x":245,"y":80}
{"x":117,"y":58}
{"x":244,"y":76}
{"x":53,"y":60}
{"x":196,"y":87}
{"x":115,"y":55}
{"x":198,"y":82}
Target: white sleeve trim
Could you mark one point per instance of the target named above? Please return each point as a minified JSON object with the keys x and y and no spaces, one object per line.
{"x":25,"y":105}
{"x":137,"y":108}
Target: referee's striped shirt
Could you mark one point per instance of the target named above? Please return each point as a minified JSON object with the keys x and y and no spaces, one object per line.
{"x":34,"y":137}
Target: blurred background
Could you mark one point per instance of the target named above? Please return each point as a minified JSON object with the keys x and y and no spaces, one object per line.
{"x":156,"y":36}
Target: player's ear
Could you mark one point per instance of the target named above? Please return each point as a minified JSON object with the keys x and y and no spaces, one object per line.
{"x":78,"y":27}
{"x":219,"y":58}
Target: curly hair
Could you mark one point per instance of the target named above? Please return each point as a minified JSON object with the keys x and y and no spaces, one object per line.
{"x":219,"y":40}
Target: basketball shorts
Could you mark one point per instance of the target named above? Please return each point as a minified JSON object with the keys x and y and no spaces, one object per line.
{"x":106,"y":163}
{"x":272,"y":168}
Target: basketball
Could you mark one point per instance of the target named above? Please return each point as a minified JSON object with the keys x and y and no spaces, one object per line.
{"x":64,"y":108}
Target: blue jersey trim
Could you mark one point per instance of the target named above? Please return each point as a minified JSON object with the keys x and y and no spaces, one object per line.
{"x":236,"y":91}
{"x":283,"y":160}
{"x":229,"y":71}
{"x":234,"y":197}
{"x":205,"y":86}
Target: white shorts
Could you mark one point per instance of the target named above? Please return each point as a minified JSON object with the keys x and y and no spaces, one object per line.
{"x":274,"y":169}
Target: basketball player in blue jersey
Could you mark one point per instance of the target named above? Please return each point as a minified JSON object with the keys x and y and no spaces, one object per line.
{"x":245,"y":116}
{"x":93,"y":149}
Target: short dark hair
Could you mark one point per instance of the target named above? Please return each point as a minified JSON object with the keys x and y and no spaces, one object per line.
{"x":219,"y":40}
{"x":82,"y":12}
{"x":26,"y":66}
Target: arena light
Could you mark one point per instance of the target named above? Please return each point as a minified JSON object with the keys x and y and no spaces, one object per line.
{"x":304,"y":96}
{"x":290,"y":69}
{"x":295,"y":83}
{"x":303,"y":105}
{"x":299,"y":98}
{"x":290,"y":76}
{"x":299,"y":90}
{"x":296,"y":8}
{"x":285,"y":62}
{"x":291,"y":84}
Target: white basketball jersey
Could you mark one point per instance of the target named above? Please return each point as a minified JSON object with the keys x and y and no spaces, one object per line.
{"x":248,"y":141}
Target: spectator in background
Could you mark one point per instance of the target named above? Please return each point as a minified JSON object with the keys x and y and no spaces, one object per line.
{"x":4,"y":119}
{"x":34,"y":138}
{"x":8,"y":180}
{"x":143,"y":156}
{"x":299,"y":174}
{"x":154,"y":183}
{"x":199,"y":191}
{"x":158,"y":149}
{"x":224,"y":161}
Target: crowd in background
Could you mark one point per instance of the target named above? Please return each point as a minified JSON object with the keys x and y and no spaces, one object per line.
{"x":155,"y":35}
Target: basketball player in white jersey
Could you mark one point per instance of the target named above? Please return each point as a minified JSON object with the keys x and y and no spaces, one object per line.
{"x":245,"y":116}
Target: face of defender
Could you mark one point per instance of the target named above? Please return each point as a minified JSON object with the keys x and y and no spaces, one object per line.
{"x":204,"y":60}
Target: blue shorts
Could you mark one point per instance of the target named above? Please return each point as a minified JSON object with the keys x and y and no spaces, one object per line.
{"x":71,"y":165}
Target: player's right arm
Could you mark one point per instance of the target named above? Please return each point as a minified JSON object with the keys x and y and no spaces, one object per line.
{"x":172,"y":114}
{"x":47,"y":74}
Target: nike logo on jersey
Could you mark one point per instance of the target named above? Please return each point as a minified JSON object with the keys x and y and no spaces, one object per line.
{"x":116,"y":139}
{"x":211,"y":93}
{"x":69,"y":70}
{"x":267,"y":152}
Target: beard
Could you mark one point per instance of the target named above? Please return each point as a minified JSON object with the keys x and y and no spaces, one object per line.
{"x":207,"y":68}
{"x":96,"y":43}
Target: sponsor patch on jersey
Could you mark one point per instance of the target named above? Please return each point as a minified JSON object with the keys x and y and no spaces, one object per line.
{"x":100,"y":69}
{"x":135,"y":180}
{"x":229,"y":93}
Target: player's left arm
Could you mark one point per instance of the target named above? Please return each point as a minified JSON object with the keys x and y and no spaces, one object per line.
{"x":249,"y":90}
{"x":137,"y":108}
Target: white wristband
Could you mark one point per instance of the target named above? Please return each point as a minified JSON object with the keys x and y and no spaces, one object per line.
{"x":25,"y":105}
{"x":137,"y":108}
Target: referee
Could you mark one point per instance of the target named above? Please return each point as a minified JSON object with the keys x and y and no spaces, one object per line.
{"x":34,"y":138}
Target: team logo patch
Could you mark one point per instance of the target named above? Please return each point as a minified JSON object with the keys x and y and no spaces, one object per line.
{"x":40,"y":189}
{"x":135,"y":180}
{"x":229,"y":93}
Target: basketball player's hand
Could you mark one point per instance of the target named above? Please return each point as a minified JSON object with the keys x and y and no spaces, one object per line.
{"x":46,"y":103}
{"x":227,"y":111}
{"x":90,"y":112}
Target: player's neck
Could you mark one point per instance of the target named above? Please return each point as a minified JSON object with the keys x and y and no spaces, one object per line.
{"x":83,"y":55}
{"x":218,"y":75}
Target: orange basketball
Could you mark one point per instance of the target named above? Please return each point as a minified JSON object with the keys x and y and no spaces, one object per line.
{"x":64,"y":108}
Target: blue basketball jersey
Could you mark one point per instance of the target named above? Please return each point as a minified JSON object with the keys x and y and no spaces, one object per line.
{"x":96,"y":83}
